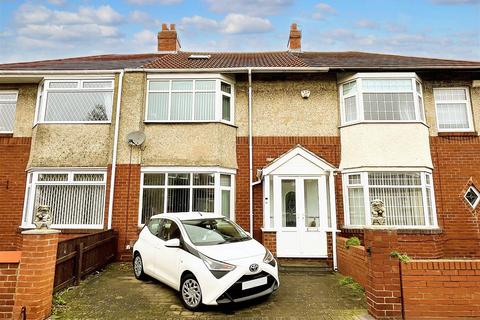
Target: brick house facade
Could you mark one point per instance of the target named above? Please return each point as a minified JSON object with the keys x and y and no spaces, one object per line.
{"x":311,"y":133}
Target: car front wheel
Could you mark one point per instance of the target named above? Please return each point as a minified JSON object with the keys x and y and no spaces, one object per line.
{"x":138,"y":267}
{"x":190,"y":293}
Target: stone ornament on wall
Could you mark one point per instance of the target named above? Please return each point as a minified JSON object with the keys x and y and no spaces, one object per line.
{"x":43,"y":217}
{"x":378,"y":212}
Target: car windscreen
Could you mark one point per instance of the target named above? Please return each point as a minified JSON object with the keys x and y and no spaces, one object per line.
{"x":213,"y":231}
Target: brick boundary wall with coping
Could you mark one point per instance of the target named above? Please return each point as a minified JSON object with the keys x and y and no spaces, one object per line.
{"x":441,"y":289}
{"x":9,"y":261}
{"x":352,"y":261}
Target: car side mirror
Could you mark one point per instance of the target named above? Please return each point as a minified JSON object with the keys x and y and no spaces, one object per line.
{"x":248,"y":233}
{"x":173,"y":243}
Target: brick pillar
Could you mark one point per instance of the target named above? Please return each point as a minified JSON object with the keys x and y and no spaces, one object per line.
{"x":9,"y":261}
{"x":383,"y":289}
{"x":269,"y":240}
{"x":36,"y":274}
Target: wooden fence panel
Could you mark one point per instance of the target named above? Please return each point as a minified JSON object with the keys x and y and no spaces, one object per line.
{"x":81,"y":256}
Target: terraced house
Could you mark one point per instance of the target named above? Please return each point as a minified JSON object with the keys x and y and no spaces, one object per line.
{"x":292,"y":145}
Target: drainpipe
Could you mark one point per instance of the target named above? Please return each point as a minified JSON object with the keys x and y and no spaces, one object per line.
{"x":250,"y":150}
{"x":333,"y":213}
{"x":115,"y":147}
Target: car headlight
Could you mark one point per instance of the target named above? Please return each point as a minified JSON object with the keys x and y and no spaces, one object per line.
{"x":217,"y":268}
{"x":269,"y":258}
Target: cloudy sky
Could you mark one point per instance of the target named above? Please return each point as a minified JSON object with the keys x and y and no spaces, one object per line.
{"x":33,"y":30}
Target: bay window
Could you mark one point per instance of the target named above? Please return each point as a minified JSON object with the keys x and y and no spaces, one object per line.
{"x":75,"y":101}
{"x":8,"y":105}
{"x":76,"y":198}
{"x":454,"y":111}
{"x":407,"y":196}
{"x":176,"y":191}
{"x":189,"y":100}
{"x":373,"y":97}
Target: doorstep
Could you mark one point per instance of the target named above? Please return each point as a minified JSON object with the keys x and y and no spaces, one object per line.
{"x":309,"y":265}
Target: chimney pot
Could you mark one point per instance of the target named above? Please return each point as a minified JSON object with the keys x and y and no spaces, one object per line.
{"x":168,"y":39}
{"x":295,"y":38}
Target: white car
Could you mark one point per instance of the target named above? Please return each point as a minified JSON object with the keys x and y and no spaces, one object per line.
{"x":206,"y":257}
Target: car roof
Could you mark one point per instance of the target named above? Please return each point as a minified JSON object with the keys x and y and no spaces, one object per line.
{"x":188,"y":216}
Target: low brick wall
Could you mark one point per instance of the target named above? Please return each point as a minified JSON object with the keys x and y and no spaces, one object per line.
{"x":9,"y":261}
{"x":352,"y":261}
{"x":269,"y":240}
{"x":441,"y":289}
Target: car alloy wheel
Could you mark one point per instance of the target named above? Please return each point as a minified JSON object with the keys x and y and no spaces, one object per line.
{"x":138,"y":267}
{"x":191,"y":293}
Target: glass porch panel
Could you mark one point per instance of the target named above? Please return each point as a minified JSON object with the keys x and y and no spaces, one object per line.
{"x":289,"y":204}
{"x":312,"y":210}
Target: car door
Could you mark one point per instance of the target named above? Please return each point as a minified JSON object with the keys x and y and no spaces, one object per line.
{"x":167,"y":259}
{"x":150,"y":242}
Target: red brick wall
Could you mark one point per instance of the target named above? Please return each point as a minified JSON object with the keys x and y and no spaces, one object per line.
{"x":441,"y":289}
{"x":327,"y":148}
{"x":14,"y":154}
{"x":353,"y":261}
{"x":421,"y":244}
{"x":383,"y":289}
{"x":456,"y":165}
{"x":269,"y":240}
{"x":36,"y":275}
{"x":8,"y":280}
{"x":125,"y":207}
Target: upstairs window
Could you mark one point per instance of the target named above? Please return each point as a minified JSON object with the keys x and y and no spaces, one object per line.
{"x":381,"y":98}
{"x":8,"y":104}
{"x":454,"y":111}
{"x":71,"y":101}
{"x":189,"y":100}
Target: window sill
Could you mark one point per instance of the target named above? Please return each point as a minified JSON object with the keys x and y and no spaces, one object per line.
{"x":74,"y":122}
{"x":151,"y":122}
{"x":400,"y":230}
{"x":458,"y":134}
{"x":382,"y":122}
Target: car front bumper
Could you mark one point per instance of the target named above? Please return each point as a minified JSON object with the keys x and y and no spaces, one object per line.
{"x":229,"y":289}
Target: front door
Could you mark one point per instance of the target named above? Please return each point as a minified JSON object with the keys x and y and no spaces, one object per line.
{"x":301,"y":216}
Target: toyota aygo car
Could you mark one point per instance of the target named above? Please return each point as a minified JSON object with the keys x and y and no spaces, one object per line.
{"x":206,"y":257}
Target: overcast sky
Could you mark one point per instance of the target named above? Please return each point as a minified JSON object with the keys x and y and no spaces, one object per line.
{"x":35,"y":30}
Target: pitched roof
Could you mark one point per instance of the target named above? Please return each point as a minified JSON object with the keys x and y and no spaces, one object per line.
{"x":186,"y":60}
{"x":100,"y":62}
{"x":349,"y":60}
{"x":359,"y":60}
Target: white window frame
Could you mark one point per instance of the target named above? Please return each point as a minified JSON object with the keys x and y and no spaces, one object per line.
{"x":358,"y":77}
{"x":468,"y":105}
{"x":217,"y":171}
{"x":475,"y":190}
{"x":194,"y":77}
{"x":16,"y":101}
{"x":32,"y":183}
{"x":366,"y":193}
{"x":43,"y":89}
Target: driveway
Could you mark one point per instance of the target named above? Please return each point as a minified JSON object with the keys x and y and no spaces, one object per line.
{"x":116,"y":294}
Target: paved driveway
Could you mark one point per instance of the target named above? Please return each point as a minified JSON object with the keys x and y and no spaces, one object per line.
{"x":116,"y":294}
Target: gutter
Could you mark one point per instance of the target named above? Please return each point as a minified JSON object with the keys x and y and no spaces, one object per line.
{"x":231,"y":70}
{"x":59,"y":72}
{"x":115,"y":147}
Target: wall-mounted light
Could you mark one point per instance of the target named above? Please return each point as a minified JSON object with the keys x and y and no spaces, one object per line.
{"x":305,"y":94}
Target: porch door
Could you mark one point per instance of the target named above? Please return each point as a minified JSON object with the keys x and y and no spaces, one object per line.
{"x":301,"y":216}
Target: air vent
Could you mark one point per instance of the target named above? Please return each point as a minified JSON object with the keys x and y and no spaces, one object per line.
{"x":199,"y":56}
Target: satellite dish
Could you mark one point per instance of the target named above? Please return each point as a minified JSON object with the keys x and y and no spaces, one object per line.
{"x":136,"y":138}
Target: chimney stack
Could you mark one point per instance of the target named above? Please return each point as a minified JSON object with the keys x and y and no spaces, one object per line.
{"x":167,"y":39}
{"x":295,"y":39}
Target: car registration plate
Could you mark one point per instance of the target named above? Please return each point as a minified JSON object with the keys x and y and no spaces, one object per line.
{"x":254,"y":283}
